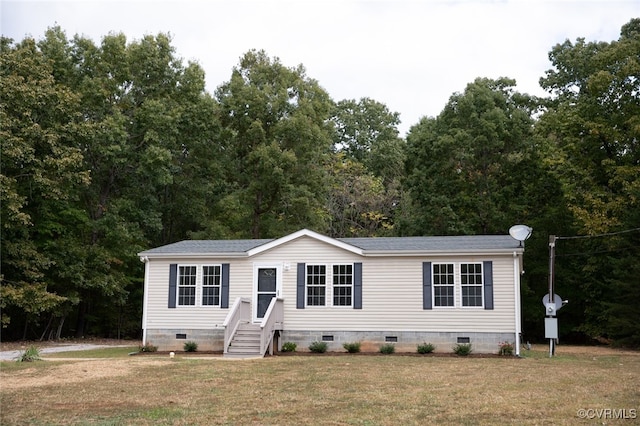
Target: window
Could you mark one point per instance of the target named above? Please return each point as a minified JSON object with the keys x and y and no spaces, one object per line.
{"x":443,"y":285}
{"x":197,"y":285}
{"x":187,"y":285}
{"x":342,"y":285}
{"x":316,"y":285}
{"x":211,"y":278}
{"x":471,"y":284}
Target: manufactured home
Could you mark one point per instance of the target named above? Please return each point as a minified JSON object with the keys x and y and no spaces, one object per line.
{"x":247,"y":297}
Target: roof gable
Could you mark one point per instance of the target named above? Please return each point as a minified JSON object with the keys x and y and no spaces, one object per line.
{"x":305,"y":233}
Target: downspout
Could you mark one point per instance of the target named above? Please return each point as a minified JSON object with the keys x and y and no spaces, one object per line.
{"x":145,"y":260}
{"x":516,"y":292}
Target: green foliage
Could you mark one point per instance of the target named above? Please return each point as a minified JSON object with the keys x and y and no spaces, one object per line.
{"x":465,"y":167}
{"x":318,"y":347}
{"x":366,"y":169}
{"x":462,"y":349}
{"x":289,"y":347}
{"x":112,"y":147}
{"x":148,"y":347}
{"x":593,"y":122}
{"x":426,"y":348}
{"x":41,"y":169}
{"x":505,"y":348}
{"x":102,"y":141}
{"x":359,"y":203}
{"x":366,"y":131}
{"x":190,"y":346}
{"x":30,"y":354}
{"x":387,"y":348}
{"x":277,"y":134}
{"x":352,"y":348}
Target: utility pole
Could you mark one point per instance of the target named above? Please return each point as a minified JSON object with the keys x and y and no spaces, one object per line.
{"x":552,"y":251}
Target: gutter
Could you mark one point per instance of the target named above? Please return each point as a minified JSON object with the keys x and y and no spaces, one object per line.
{"x":437,"y":253}
{"x":145,"y":300}
{"x":516,"y":289}
{"x":192,"y":255}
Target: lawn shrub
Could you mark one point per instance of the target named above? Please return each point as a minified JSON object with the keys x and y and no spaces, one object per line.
{"x":352,"y":348}
{"x":462,"y":349}
{"x":148,"y":347}
{"x":29,"y":355}
{"x":289,"y":347}
{"x":318,"y":347}
{"x":426,"y":348}
{"x":190,"y":346}
{"x":388,"y":348}
{"x":505,"y":348}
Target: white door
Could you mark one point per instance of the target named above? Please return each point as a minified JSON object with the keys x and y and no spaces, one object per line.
{"x":267,"y":286}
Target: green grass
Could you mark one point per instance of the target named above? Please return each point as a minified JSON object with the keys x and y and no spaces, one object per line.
{"x":116,"y":352}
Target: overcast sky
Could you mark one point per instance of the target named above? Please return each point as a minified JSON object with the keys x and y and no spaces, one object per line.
{"x":410,"y":55}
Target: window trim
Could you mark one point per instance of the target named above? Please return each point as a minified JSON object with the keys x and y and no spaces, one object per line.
{"x":180,"y":286}
{"x":476,"y":285}
{"x":329,"y":286}
{"x":199,"y":285}
{"x":327,"y":290}
{"x":218,"y":285}
{"x":457,"y":285}
{"x":434,"y":285}
{"x":351,"y":286}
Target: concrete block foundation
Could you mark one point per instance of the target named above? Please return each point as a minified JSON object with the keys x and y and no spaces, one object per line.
{"x":174,"y":339}
{"x":404,"y":341}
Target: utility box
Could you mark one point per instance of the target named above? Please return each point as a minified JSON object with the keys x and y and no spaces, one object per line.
{"x":551,"y":328}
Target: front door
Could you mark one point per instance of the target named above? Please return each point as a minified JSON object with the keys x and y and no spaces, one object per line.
{"x":266,"y":289}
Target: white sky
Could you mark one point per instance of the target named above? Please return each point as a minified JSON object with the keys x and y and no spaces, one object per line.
{"x":410,"y":55}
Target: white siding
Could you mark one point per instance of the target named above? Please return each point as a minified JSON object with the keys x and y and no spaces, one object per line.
{"x":391,"y":294}
{"x":159,"y":315}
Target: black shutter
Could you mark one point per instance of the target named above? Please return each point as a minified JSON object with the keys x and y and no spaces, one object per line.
{"x":487,"y":270}
{"x":357,"y":285}
{"x":173,"y":283}
{"x":426,"y":286}
{"x":224,"y":286}
{"x":300,"y":286}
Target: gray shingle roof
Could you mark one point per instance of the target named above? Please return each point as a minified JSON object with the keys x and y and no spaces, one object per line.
{"x":449,"y":243}
{"x":381,"y":244}
{"x":207,"y":246}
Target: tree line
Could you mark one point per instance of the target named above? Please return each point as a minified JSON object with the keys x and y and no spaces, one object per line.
{"x":112,"y":148}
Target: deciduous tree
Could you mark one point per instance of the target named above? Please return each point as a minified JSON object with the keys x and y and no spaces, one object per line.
{"x":474,"y":169}
{"x":593,"y":118}
{"x":277,"y":139}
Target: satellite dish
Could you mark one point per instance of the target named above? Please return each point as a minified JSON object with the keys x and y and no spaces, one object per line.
{"x":520,"y":232}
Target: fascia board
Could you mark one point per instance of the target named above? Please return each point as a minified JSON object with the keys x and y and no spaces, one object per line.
{"x":304,"y":233}
{"x":192,"y":255}
{"x":439,"y":253}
